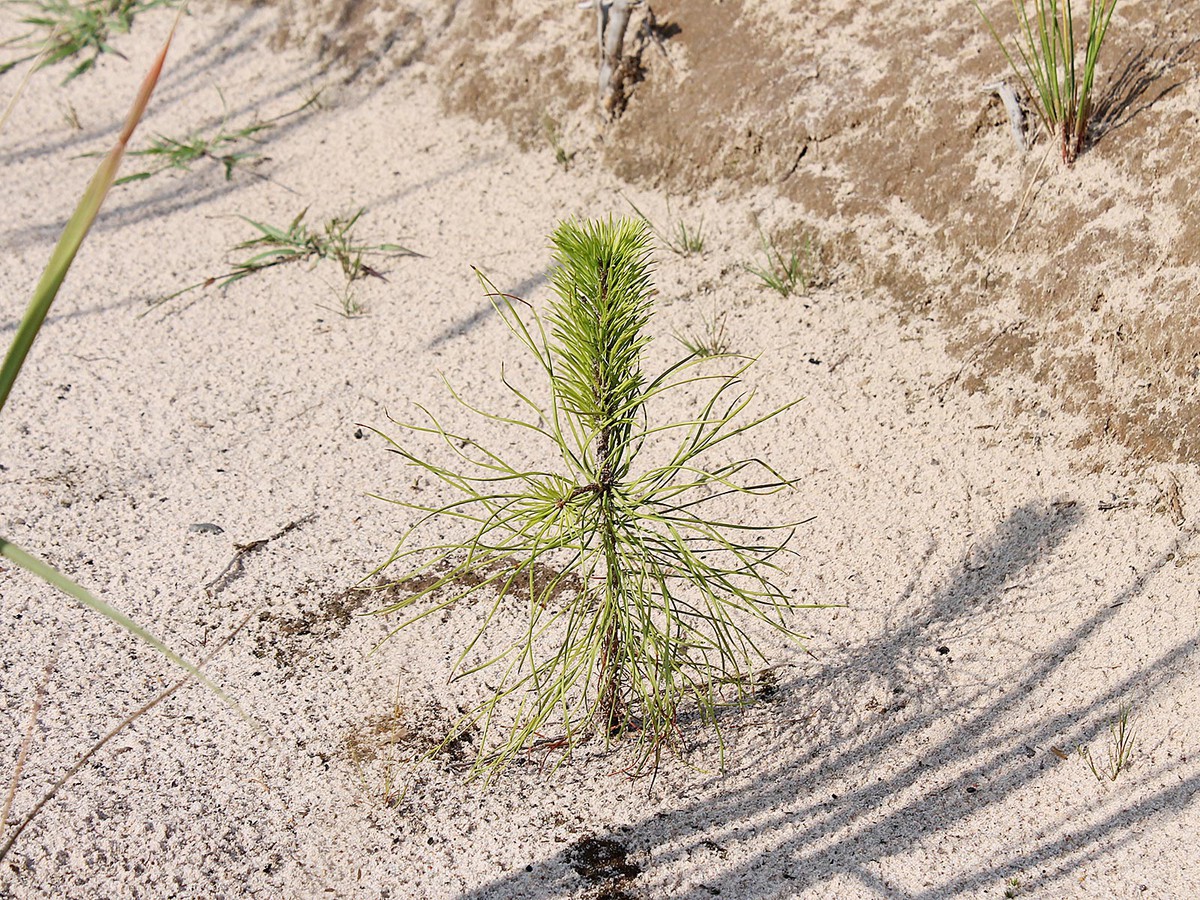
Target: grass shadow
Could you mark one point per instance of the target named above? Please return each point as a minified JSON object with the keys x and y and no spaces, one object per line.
{"x":950,"y":751}
{"x":1144,"y":76}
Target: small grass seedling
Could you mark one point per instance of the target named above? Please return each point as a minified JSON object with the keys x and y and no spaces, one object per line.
{"x":64,"y":30}
{"x":786,"y":273}
{"x":554,"y":137}
{"x":1120,"y":751}
{"x":350,"y":305}
{"x":711,"y":340}
{"x":683,"y":240}
{"x":629,"y":593}
{"x":167,"y":153}
{"x":300,"y":243}
{"x":1061,"y":73}
{"x":1012,"y":888}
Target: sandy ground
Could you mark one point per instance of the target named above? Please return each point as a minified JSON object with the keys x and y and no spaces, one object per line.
{"x":1003,"y":587}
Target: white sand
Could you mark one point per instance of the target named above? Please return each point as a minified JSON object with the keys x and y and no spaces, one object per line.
{"x":881,"y":768}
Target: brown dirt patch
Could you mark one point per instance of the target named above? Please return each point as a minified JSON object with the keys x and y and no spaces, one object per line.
{"x":872,"y":123}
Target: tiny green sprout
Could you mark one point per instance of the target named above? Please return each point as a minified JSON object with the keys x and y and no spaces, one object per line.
{"x":622,"y":587}
{"x":711,"y":340}
{"x":684,"y":240}
{"x":1120,"y":751}
{"x":554,"y":137}
{"x":350,"y":305}
{"x":786,"y":273}
{"x":64,"y":30}
{"x":1012,"y":888}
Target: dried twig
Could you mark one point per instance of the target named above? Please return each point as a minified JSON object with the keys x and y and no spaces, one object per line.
{"x":234,"y":569}
{"x":39,"y":697}
{"x":1012,"y":105}
{"x":612,"y":20}
{"x":121,"y":726}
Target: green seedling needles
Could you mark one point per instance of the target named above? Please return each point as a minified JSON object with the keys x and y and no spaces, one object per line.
{"x":630,"y":594}
{"x":1059,"y":81}
{"x":72,"y":238}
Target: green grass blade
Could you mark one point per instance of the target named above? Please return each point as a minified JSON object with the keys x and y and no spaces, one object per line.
{"x":74,"y":233}
{"x":68,"y":245}
{"x":52,"y":576}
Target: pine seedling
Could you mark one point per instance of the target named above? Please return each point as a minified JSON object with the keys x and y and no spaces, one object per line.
{"x":631,"y":596}
{"x":64,"y":30}
{"x":1060,"y":74}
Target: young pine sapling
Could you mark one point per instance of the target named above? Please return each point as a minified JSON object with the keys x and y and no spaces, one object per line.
{"x":632,"y":594}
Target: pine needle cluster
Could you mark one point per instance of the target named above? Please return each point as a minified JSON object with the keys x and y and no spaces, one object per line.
{"x":632,"y":597}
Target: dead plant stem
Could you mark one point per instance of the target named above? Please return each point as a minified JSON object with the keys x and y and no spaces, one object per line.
{"x":117,"y":729}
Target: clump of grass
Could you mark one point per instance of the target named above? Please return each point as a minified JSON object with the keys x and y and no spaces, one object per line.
{"x":298,"y":243}
{"x":785,"y":271}
{"x":554,"y":137}
{"x":1120,"y":751}
{"x":630,"y":593}
{"x":167,"y":153}
{"x":711,"y":340}
{"x":682,"y":240}
{"x":64,"y":30}
{"x":1060,"y":72}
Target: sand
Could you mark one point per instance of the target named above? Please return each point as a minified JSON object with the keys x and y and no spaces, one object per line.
{"x":1005,"y":571}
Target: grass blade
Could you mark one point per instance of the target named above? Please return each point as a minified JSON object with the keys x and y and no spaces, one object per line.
{"x":75,"y":231}
{"x":52,"y":576}
{"x":68,"y":245}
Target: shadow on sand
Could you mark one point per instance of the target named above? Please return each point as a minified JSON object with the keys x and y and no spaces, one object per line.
{"x":951,"y":753}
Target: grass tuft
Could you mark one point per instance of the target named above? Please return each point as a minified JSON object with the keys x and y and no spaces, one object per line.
{"x":1061,"y":73}
{"x":298,"y":243}
{"x":711,"y":340}
{"x":682,"y":240}
{"x":786,"y":272}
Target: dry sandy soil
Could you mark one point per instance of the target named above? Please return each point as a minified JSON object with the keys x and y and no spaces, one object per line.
{"x":998,"y":361}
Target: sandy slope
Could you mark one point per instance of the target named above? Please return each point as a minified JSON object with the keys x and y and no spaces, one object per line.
{"x":1000,"y":597}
